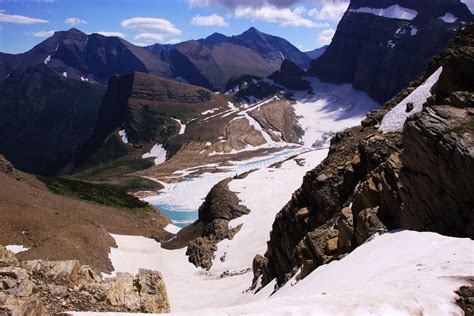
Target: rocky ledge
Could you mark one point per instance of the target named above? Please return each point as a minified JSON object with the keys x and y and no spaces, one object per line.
{"x":420,"y":179}
{"x":40,"y":287}
{"x":219,"y":208}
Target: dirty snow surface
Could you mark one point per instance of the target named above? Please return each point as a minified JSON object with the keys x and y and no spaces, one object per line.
{"x":398,"y":273}
{"x":331,"y":109}
{"x":394,"y":120}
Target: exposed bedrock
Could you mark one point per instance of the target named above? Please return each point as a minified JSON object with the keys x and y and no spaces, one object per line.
{"x":420,"y":179}
{"x":220,"y":206}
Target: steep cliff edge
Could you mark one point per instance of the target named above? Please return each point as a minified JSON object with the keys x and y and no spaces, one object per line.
{"x":372,"y":181}
{"x":380,"y":46}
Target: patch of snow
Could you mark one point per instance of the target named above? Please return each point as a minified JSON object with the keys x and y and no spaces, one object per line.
{"x":210,"y":111}
{"x":397,"y":273}
{"x":84,"y":78}
{"x":394,"y":120}
{"x":65,"y":74}
{"x":393,"y":12}
{"x":157,"y":152}
{"x":47,"y":60}
{"x":17,"y":248}
{"x":170,"y":228}
{"x":281,"y":55}
{"x":271,"y":198}
{"x":448,"y":17}
{"x":182,"y":126}
{"x":208,"y":144}
{"x":123,"y":135}
{"x":413,"y":31}
{"x":331,"y":109}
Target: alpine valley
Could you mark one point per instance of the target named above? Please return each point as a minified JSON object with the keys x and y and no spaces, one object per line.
{"x":238,"y":175}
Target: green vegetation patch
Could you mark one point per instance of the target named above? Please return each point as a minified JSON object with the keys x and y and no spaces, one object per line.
{"x":112,"y":148}
{"x":105,"y":194}
{"x":115,"y":168}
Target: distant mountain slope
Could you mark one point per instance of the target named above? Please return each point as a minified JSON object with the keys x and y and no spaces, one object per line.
{"x":316,"y":53}
{"x":219,"y":58}
{"x":45,"y":118}
{"x":149,"y":110}
{"x":382,"y":45}
{"x":95,"y":57}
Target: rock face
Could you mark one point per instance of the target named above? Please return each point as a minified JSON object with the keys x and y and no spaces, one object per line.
{"x":279,"y":120}
{"x":372,"y":182}
{"x":380,"y":54}
{"x":45,"y":118}
{"x":290,"y":76}
{"x":220,"y":206}
{"x":50,"y":287}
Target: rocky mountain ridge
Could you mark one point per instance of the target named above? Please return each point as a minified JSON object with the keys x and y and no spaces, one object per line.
{"x":220,"y":57}
{"x":379,"y":51}
{"x":373,"y":182}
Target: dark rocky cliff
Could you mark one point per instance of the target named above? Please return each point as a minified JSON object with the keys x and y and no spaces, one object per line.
{"x":45,"y":118}
{"x":372,"y":182}
{"x":382,"y":55}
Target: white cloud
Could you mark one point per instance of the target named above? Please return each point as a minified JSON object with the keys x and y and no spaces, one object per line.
{"x":232,"y":4}
{"x":74,"y":21}
{"x":325,"y":37}
{"x":20,"y":19}
{"x":173,"y":41}
{"x":41,"y":33}
{"x":332,"y":11}
{"x":151,"y":25}
{"x":210,"y":20}
{"x":282,"y":16}
{"x":118,"y":34}
{"x":150,"y":37}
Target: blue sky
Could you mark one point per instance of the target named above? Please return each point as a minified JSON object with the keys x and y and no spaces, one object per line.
{"x":307,"y":25}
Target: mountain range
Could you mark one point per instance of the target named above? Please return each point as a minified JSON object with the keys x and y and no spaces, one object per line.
{"x":238,"y":174}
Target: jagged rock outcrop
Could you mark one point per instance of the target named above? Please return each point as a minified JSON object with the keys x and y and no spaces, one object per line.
{"x":40,"y":287}
{"x":290,"y":76}
{"x":373,"y":182}
{"x":279,"y":120}
{"x":380,"y":52}
{"x":220,"y":206}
